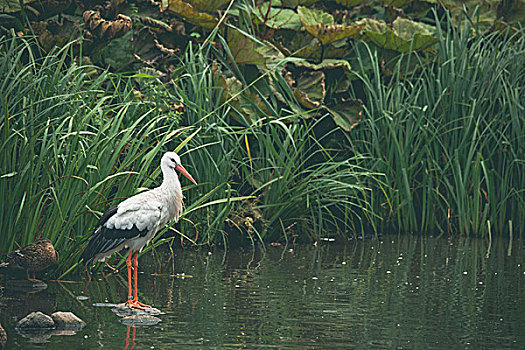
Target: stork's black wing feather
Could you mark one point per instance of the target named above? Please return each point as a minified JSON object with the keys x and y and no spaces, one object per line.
{"x":105,"y":239}
{"x":107,"y":214}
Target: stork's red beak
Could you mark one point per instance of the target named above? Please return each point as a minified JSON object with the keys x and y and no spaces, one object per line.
{"x":185,"y":173}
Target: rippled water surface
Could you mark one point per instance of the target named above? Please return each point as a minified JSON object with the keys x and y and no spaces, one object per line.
{"x":401,"y":292}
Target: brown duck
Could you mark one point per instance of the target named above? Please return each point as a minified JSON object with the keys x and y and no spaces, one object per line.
{"x":3,"y":338}
{"x":37,"y":256}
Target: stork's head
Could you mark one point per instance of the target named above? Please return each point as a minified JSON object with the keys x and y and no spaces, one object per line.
{"x":171,"y":161}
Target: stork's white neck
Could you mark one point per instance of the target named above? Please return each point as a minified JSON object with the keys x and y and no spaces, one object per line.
{"x":171,"y":193}
{"x":170,"y":179}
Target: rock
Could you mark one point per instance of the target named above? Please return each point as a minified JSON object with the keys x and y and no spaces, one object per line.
{"x":67,"y":320}
{"x":140,"y":320}
{"x":123,"y":310}
{"x":3,"y":338}
{"x":36,"y":321}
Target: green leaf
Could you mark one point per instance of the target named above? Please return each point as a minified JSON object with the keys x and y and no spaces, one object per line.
{"x":243,"y":49}
{"x":313,"y":84}
{"x":294,"y":3}
{"x":350,"y":3}
{"x":328,"y":63}
{"x":396,"y":3}
{"x":404,"y":36}
{"x":303,"y":45}
{"x":9,"y":6}
{"x":277,"y":18}
{"x":314,"y":17}
{"x":187,"y":12}
{"x":408,"y":29}
{"x":235,"y":94}
{"x":210,"y":6}
{"x":347,"y":113}
{"x":308,"y":88}
{"x":118,"y":52}
{"x":513,"y":12}
{"x":483,"y":13}
{"x":321,"y":25}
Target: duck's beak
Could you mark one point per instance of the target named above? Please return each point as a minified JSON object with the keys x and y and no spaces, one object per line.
{"x":185,"y":173}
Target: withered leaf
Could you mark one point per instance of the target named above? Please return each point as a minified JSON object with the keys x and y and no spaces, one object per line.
{"x":104,"y":29}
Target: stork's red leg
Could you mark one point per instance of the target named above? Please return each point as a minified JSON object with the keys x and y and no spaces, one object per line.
{"x":133,"y":302}
{"x":128,"y":264}
{"x":135,"y":272}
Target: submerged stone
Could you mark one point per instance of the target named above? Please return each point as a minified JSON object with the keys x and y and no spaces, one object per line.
{"x":36,"y":320}
{"x":140,"y":320}
{"x":123,"y":310}
{"x":67,"y":320}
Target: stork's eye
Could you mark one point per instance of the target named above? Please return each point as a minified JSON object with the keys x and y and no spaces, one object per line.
{"x":173,"y":161}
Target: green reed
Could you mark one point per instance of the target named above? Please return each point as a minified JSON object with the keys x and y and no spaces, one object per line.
{"x":450,"y":138}
{"x":273,"y":172}
{"x":72,"y":145}
{"x":302,"y":188}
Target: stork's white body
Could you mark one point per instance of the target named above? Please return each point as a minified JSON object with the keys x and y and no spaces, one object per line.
{"x":149,"y":210}
{"x":135,"y":221}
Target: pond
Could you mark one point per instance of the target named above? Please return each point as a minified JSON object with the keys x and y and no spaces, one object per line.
{"x":397,"y":292}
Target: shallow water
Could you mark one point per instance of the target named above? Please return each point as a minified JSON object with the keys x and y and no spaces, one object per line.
{"x":401,"y":292}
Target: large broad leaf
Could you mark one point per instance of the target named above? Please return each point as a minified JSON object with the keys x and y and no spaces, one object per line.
{"x":321,"y":25}
{"x":308,"y":88}
{"x":243,"y":49}
{"x":351,"y":3}
{"x":273,"y":57}
{"x":118,"y":52}
{"x":313,"y":86}
{"x":482,"y":13}
{"x":513,"y":12}
{"x":314,"y":17}
{"x":210,"y":6}
{"x":105,"y":29}
{"x":188,"y":13}
{"x":346,"y":113}
{"x":404,"y":36}
{"x":236,"y":95}
{"x":10,"y":6}
{"x":408,"y":29}
{"x":277,"y":17}
{"x":54,"y":33}
{"x":396,"y":3}
{"x":303,"y":45}
{"x":36,"y":10}
{"x":328,"y":63}
{"x":294,"y":3}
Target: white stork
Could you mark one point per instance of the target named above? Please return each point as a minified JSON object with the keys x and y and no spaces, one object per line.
{"x":134,"y":222}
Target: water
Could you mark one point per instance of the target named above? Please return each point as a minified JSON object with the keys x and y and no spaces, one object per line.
{"x":398,"y":293}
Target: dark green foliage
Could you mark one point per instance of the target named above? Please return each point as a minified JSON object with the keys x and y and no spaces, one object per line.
{"x":449,"y":138}
{"x":71,"y":146}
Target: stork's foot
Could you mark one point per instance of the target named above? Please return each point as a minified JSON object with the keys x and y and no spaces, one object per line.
{"x":135,"y":304}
